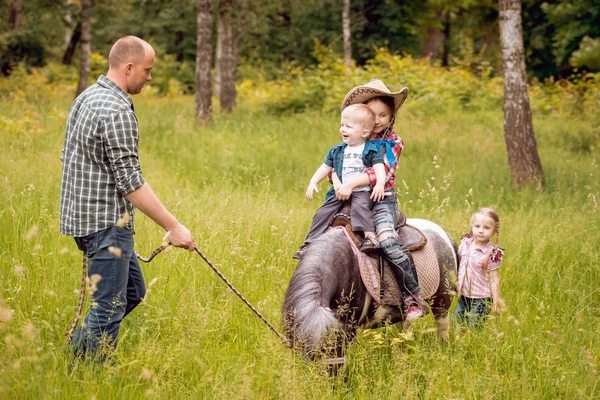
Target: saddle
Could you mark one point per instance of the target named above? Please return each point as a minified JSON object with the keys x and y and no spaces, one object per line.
{"x":411,"y":239}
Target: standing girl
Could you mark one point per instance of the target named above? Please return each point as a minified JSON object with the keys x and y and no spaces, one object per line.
{"x":478,"y":276}
{"x":386,"y":104}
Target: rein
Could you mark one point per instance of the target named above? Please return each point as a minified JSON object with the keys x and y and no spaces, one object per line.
{"x":69,"y":333}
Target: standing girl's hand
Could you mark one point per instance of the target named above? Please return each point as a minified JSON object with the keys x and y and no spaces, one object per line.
{"x":496,"y":308}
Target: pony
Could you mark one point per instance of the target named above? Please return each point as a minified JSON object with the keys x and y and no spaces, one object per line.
{"x":326,"y":300}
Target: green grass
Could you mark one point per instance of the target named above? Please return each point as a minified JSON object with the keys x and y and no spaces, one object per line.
{"x":239,"y":186}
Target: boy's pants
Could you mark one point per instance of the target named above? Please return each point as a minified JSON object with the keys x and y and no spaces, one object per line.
{"x":118,"y":291}
{"x":360,"y":214}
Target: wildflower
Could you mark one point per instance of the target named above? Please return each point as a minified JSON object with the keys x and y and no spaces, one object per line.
{"x":117,"y":252}
{"x":33,"y":231}
{"x":165,"y":240}
{"x":146,"y":374}
{"x":5,"y":314}
{"x":18,"y":270}
{"x":121,"y":222}
{"x":29,"y":332}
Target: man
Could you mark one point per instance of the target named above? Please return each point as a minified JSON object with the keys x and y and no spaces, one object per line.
{"x":102,"y":184}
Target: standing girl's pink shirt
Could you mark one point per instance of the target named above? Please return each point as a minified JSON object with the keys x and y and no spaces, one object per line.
{"x":473,"y":279}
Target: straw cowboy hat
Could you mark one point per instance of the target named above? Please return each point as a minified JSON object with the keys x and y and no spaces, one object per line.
{"x":374,"y":88}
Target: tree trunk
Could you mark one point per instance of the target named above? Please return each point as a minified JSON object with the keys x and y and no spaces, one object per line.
{"x":347,"y":33}
{"x":433,"y":39}
{"x":218,"y":56}
{"x":70,"y":50}
{"x":523,"y":159}
{"x":238,"y":36}
{"x":203,"y":89}
{"x":85,"y":46}
{"x":447,"y":38}
{"x":14,"y":17}
{"x":68,"y":23}
{"x":226,"y":65}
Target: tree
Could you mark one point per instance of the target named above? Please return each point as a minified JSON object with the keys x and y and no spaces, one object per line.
{"x":228,"y":50}
{"x":523,"y":159}
{"x":433,"y":38}
{"x":203,"y":61}
{"x":85,"y":46}
{"x":14,"y":17}
{"x":347,"y":33}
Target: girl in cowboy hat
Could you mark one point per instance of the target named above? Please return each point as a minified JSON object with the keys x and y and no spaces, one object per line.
{"x":348,"y":160}
{"x":385,"y":104}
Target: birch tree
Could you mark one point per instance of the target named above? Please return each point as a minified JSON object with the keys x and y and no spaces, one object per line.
{"x":225,"y":37}
{"x":523,"y":159}
{"x":14,"y":16}
{"x":85,"y":46}
{"x":203,"y":84}
{"x":347,"y":33}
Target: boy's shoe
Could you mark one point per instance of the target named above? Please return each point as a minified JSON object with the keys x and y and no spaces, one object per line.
{"x":369,"y":244}
{"x":298,"y":255}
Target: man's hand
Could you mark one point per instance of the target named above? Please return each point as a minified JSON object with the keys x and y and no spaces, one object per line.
{"x":378,"y":192}
{"x":343,"y":192}
{"x":181,"y":237}
{"x":309,"y":191}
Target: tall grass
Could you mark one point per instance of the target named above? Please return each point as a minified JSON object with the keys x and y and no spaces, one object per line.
{"x":239,"y":185}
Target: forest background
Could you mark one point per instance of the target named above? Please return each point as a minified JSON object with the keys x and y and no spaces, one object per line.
{"x":238,"y":184}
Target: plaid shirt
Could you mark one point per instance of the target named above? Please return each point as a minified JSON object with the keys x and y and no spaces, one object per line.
{"x":100,"y":160}
{"x":390,"y":170}
{"x":473,"y":280}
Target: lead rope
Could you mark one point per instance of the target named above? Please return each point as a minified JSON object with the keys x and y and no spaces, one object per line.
{"x":69,"y":333}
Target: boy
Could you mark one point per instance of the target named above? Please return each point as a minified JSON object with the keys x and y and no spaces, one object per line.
{"x":347,"y":161}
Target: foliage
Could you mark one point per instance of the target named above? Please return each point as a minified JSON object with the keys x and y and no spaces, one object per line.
{"x":238,"y":185}
{"x":431,"y":88}
{"x":588,"y":54}
{"x":21,"y":46}
{"x":289,"y":32}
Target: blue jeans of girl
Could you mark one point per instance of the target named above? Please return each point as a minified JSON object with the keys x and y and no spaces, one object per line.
{"x":471,"y":311}
{"x":385,"y":217}
{"x":118,"y":291}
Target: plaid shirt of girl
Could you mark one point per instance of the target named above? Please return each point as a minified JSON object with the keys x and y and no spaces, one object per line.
{"x":473,"y":280}
{"x":390,"y":170}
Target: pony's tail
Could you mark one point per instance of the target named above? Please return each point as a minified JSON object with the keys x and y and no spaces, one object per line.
{"x":306,"y":321}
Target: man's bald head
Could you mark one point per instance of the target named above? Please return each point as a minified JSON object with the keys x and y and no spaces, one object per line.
{"x":130,"y":63}
{"x":127,"y":49}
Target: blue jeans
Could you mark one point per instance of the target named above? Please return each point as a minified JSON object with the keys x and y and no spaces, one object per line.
{"x":385,"y":218}
{"x":472,"y":312}
{"x":120,"y":289}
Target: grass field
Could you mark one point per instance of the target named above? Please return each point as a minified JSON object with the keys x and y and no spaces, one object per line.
{"x":239,"y":186}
